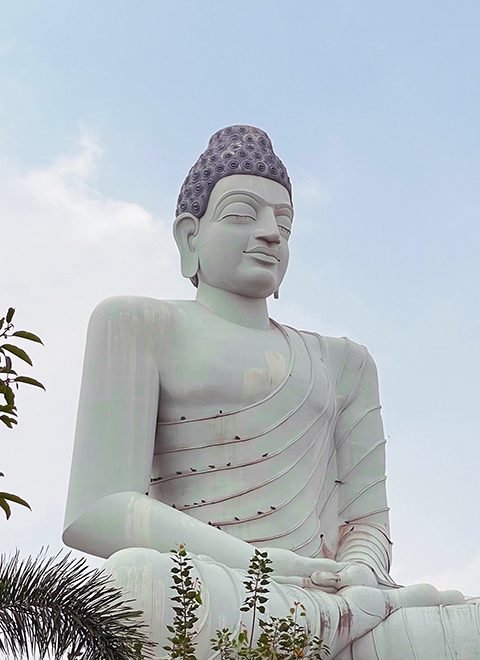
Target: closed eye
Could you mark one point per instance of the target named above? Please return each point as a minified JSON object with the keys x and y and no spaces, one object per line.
{"x":284,"y":222}
{"x":285,"y":231}
{"x":236,"y":217}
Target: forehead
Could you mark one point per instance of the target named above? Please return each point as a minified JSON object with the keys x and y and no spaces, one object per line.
{"x":260,"y":188}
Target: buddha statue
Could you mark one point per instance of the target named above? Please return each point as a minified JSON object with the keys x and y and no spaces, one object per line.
{"x":205,"y":422}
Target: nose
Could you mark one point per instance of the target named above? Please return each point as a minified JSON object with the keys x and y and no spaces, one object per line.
{"x":266,"y":226}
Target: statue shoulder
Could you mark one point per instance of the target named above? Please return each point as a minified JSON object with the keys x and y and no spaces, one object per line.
{"x":349,"y":363}
{"x":356,"y":370}
{"x":346,"y":353}
{"x":339,"y":352}
{"x":148,"y":312}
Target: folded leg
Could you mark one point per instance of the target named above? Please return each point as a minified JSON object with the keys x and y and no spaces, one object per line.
{"x":448,"y":632}
{"x":359,"y":624}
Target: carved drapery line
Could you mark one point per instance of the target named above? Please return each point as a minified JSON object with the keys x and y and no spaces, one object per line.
{"x":262,"y":484}
{"x":280,"y":535}
{"x":314,"y":437}
{"x":355,"y":424}
{"x":269,"y":512}
{"x":367,"y":543}
{"x":262,"y":458}
{"x":260,"y":402}
{"x":316,"y":486}
{"x":161,"y":451}
{"x":316,"y":534}
{"x":379,"y":445}
{"x":374,"y":512}
{"x":380,"y":480}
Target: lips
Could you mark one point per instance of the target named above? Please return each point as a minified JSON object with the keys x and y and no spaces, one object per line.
{"x":264,"y":254}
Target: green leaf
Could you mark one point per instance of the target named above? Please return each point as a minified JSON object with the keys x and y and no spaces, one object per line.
{"x":29,"y":381}
{"x":5,"y":507}
{"x":19,"y":352}
{"x":11,"y":410}
{"x":15,"y":498}
{"x":9,"y":395}
{"x":10,"y":313}
{"x":8,"y":421}
{"x":10,"y":371}
{"x":23,"y":334}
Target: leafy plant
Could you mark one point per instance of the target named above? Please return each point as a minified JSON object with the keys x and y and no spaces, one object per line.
{"x":10,"y":497}
{"x":59,"y":609}
{"x":280,"y":638}
{"x":256,"y":586}
{"x":187,"y":601}
{"x":285,"y":639}
{"x":9,"y":376}
{"x":9,"y":382}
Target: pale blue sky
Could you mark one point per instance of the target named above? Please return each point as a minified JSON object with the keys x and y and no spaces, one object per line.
{"x":374,"y":108}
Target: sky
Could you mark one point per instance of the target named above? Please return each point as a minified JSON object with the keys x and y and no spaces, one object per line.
{"x":373,"y":106}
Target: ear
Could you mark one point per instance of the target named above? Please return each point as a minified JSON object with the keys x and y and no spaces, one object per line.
{"x":185,"y":229}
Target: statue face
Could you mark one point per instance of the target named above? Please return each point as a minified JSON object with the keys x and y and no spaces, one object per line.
{"x":242,"y":240}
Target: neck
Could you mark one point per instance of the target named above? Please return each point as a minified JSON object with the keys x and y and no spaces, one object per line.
{"x":251,"y":312}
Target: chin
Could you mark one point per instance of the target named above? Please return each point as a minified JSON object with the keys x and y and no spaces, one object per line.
{"x":261,"y":285}
{"x":258,"y":294}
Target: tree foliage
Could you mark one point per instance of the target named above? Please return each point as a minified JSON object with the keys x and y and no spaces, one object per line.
{"x":9,"y":382}
{"x":57,"y":608}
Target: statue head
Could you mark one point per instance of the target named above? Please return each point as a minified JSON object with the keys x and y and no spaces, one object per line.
{"x":234,"y":214}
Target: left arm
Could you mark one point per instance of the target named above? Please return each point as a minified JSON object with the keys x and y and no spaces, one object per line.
{"x":360,"y":448}
{"x":364,"y":551}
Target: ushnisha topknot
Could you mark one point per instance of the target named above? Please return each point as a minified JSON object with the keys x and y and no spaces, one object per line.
{"x":232,"y":150}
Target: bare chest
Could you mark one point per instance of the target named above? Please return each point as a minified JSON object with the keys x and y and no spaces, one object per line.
{"x":217,"y":369}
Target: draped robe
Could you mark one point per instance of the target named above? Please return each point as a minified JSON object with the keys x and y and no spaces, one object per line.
{"x":304,"y":469}
{"x":301,"y":469}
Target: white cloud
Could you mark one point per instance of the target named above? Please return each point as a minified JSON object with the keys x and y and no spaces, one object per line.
{"x":65,"y":246}
{"x":74,"y":237}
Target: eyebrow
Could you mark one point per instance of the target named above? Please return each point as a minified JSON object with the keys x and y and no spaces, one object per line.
{"x":257,"y":198}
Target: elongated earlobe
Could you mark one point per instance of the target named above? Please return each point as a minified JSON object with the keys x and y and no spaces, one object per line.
{"x":185,"y":229}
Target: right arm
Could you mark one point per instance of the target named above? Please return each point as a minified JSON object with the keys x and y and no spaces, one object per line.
{"x":107,"y":509}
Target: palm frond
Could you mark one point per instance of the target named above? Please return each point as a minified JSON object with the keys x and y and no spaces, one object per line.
{"x":58,"y":606}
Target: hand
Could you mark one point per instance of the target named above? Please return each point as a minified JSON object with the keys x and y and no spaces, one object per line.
{"x":317,"y":573}
{"x":347,"y":575}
